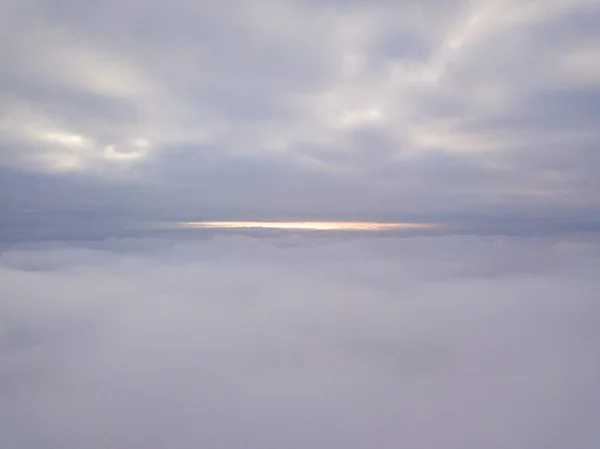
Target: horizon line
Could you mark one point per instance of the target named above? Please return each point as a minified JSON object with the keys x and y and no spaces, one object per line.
{"x":307,"y":225}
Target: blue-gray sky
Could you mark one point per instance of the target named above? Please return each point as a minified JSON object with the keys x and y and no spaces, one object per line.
{"x":480,"y":110}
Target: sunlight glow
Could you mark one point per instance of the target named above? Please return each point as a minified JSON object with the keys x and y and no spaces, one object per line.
{"x":306,"y":225}
{"x":65,"y":139}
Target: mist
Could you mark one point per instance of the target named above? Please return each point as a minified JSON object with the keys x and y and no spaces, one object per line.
{"x":296,"y":341}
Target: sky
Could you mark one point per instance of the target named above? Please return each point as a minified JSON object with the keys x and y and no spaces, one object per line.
{"x":479,"y":112}
{"x":239,"y":224}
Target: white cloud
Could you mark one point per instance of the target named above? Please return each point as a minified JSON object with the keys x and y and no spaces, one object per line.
{"x":448,"y":342}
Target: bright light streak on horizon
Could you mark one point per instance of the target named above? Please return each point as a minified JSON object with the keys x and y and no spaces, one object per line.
{"x":306,"y":225}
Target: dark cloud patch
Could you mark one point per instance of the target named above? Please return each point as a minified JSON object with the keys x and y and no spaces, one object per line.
{"x":75,"y":106}
{"x":549,"y":111}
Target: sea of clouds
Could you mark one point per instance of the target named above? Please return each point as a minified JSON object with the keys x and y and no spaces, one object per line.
{"x":301,"y":341}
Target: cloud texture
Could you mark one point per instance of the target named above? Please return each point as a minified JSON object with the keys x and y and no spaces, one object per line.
{"x":480,"y":116}
{"x":234,"y":342}
{"x":331,"y":109}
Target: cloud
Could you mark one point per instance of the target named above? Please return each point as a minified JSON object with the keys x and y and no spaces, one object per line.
{"x":369,"y":106}
{"x":478,"y":115}
{"x":291,"y":341}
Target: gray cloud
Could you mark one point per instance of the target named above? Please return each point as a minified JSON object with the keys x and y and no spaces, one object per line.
{"x":452,"y":342}
{"x":323,"y":108}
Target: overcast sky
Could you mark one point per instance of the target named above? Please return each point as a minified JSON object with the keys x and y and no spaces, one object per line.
{"x":478,"y":110}
{"x":120,"y":330}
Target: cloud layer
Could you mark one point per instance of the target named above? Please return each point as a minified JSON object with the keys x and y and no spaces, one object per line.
{"x":350,"y":110}
{"x":431,"y":342}
{"x":120,"y":120}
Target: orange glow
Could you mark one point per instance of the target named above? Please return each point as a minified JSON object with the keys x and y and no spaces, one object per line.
{"x":306,"y":225}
